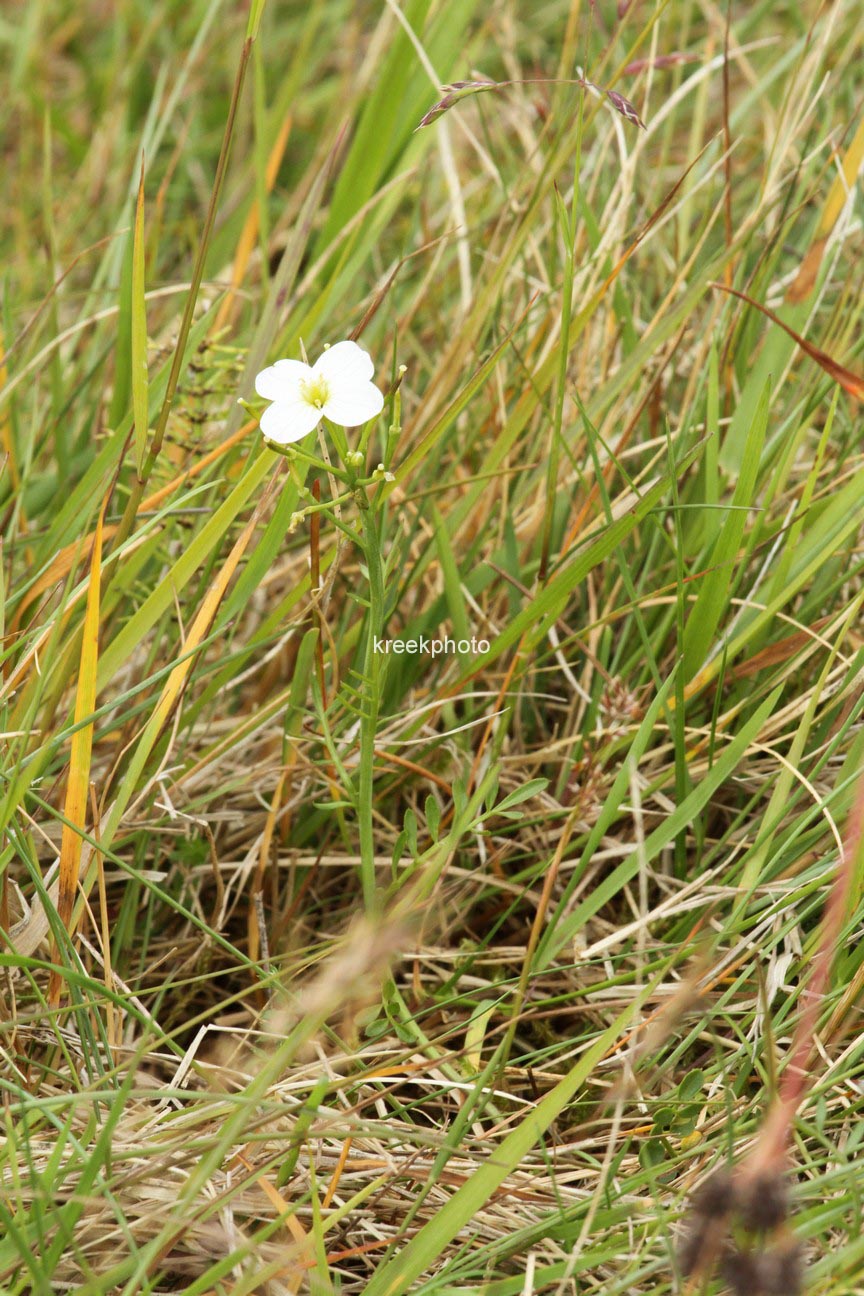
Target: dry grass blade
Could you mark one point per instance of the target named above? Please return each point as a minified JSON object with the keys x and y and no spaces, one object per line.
{"x":5,"y":431}
{"x":850,"y":382}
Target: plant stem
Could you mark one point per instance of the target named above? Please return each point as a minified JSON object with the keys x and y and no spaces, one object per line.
{"x":568,"y":233}
{"x":373,"y":677}
{"x":797,"y":1077}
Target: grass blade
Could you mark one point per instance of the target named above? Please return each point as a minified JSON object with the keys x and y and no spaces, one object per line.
{"x":140,"y":404}
{"x":75,"y":808}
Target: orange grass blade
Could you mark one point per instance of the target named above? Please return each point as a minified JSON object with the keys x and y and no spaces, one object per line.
{"x":204,"y":617}
{"x":304,"y":1246}
{"x":179,"y":677}
{"x":62,"y":562}
{"x":75,"y":809}
{"x":249,"y":232}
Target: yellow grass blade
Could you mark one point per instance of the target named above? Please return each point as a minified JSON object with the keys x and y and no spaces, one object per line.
{"x":304,"y":1247}
{"x":852,"y":160}
{"x":75,"y":809}
{"x":805,"y":280}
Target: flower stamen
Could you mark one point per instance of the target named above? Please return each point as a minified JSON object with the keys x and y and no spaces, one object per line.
{"x":315,"y":391}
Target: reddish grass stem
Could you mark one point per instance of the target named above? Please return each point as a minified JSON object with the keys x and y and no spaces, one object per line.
{"x":777,"y":1130}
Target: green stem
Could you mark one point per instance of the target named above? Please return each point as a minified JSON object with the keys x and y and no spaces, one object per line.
{"x":373,"y":676}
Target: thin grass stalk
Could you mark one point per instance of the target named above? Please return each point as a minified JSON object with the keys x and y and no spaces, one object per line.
{"x":569,"y":232}
{"x":141,"y":478}
{"x":373,"y":680}
{"x":797,"y":1075}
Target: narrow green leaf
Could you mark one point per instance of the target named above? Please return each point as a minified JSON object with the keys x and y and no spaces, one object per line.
{"x":713,"y":599}
{"x":521,"y":794}
{"x":775,"y":354}
{"x":395,"y":102}
{"x":448,"y":418}
{"x":433,"y":816}
{"x":550,"y":943}
{"x":452,"y":583}
{"x":139,"y":331}
{"x":122,"y":380}
{"x":200,"y":551}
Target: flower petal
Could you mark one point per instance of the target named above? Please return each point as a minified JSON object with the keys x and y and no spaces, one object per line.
{"x":351,"y":404}
{"x":282,"y":380}
{"x":288,"y":421}
{"x":345,"y":362}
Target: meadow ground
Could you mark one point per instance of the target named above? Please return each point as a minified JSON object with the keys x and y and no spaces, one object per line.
{"x":331,"y":969}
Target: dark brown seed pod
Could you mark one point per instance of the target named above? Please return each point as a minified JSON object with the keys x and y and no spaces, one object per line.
{"x":716,"y":1196}
{"x":741,"y":1272}
{"x":763,"y":1200}
{"x":706,"y":1223}
{"x":781,"y":1270}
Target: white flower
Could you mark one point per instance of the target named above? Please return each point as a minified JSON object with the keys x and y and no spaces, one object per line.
{"x":336,"y":387}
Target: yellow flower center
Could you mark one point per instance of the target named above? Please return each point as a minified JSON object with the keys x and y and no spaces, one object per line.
{"x":315,"y":391}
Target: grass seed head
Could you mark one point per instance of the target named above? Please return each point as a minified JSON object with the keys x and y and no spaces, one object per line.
{"x":741,"y":1273}
{"x":763,"y":1200}
{"x":781,"y":1269}
{"x":716,"y":1196}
